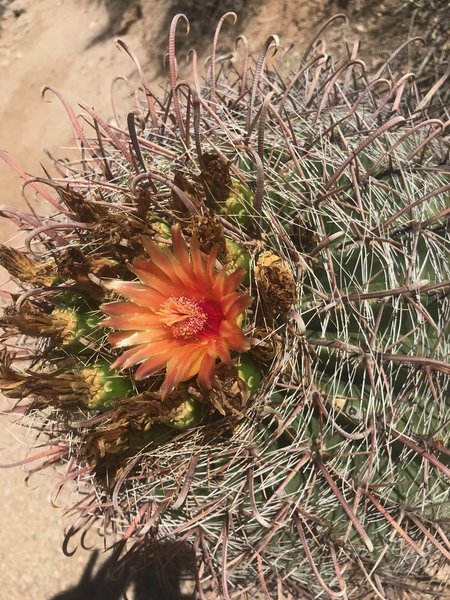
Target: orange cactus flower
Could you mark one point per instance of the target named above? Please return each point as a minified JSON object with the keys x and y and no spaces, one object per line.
{"x":181,"y":316}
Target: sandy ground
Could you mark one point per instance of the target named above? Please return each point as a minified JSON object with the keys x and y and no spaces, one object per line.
{"x":70,"y":45}
{"x":50,"y":43}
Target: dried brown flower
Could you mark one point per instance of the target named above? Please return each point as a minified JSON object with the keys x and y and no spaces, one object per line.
{"x":229,"y":394}
{"x":91,"y":387}
{"x":276,"y":282}
{"x":208,"y":229}
{"x":19,"y":265}
{"x":215,"y":177}
{"x":75,"y":265}
{"x":265,"y":344}
{"x":29,"y":319}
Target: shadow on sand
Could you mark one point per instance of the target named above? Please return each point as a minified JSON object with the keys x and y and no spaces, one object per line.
{"x":99,"y":584}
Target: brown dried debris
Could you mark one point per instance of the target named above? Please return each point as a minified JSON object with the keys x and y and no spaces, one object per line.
{"x":265,"y":344}
{"x":116,"y":435}
{"x":55,"y":389}
{"x":19,"y":265}
{"x":275,"y":282}
{"x":215,"y":177}
{"x":119,"y":235}
{"x":31,"y":320}
{"x":85,"y":211}
{"x":127,"y":427}
{"x":59,"y":389}
{"x":208,"y":229}
{"x":73,"y":264}
{"x":191,"y":192}
{"x":229,"y":394}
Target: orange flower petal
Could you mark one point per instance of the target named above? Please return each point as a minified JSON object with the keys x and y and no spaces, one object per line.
{"x":221,"y":350}
{"x":233,"y":280}
{"x":181,"y":367}
{"x":234,"y":337}
{"x":124,"y":308}
{"x":180,"y":249}
{"x":165,"y":287}
{"x":150,"y":366}
{"x":234,"y":304}
{"x":152,"y":268}
{"x":137,"y":292}
{"x":146,"y":336}
{"x":156,"y":322}
{"x":132,"y":322}
{"x":129,"y":357}
{"x":211,"y":262}
{"x":206,"y":372}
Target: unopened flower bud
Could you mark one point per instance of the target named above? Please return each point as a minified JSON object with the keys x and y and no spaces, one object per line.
{"x":246,"y":370}
{"x":188,"y":414}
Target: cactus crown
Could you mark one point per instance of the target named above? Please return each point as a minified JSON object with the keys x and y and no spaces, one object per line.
{"x":316,"y":462}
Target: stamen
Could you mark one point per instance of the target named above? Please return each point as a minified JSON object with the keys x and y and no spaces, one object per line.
{"x":185,"y":317}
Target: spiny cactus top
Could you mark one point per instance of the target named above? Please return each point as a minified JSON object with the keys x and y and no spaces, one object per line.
{"x":272,"y":396}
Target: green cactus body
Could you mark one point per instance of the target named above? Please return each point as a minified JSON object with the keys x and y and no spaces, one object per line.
{"x":246,"y":370}
{"x":333,"y":480}
{"x":238,"y":258}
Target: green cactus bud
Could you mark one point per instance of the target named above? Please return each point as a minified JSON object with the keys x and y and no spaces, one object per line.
{"x":81,"y":327}
{"x":105,"y":388}
{"x":159,"y":227}
{"x":237,"y":257}
{"x":246,"y":370}
{"x":240,"y":204}
{"x":188,"y":414}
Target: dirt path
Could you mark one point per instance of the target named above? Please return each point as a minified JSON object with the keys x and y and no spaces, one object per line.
{"x":49,"y":43}
{"x":53,"y":42}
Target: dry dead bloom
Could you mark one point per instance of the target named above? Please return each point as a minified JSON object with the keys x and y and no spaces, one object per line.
{"x":275,"y":281}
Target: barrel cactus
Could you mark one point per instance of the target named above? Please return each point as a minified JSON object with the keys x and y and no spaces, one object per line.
{"x":233,"y":326}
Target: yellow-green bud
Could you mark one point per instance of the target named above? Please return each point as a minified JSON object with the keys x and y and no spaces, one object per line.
{"x":106,"y":388}
{"x":189,"y":414}
{"x":240,"y":203}
{"x":246,"y":370}
{"x":237,"y":257}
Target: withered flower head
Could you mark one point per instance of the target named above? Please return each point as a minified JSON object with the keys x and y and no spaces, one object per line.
{"x":19,"y":265}
{"x":181,"y":316}
{"x":275,"y":281}
{"x":29,"y":319}
{"x":208,"y":229}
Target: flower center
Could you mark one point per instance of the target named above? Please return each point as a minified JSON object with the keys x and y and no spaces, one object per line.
{"x":185,"y":317}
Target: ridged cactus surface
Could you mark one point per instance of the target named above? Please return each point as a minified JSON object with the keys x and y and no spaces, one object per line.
{"x":234,"y":325}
